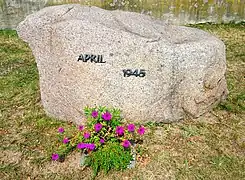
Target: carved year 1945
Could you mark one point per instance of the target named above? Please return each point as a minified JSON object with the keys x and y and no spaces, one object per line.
{"x":136,"y":72}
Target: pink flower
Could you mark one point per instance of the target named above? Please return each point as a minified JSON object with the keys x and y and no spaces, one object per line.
{"x":55,"y":157}
{"x":107,"y":116}
{"x":102,"y":141}
{"x":66,"y":140}
{"x":120,"y":130}
{"x":91,"y":146}
{"x":80,"y":127}
{"x":126,"y":143}
{"x":94,"y":114}
{"x":61,"y":130}
{"x":131,"y":127}
{"x":82,"y":145}
{"x":141,"y":130}
{"x":86,"y":135}
{"x":97,"y":127}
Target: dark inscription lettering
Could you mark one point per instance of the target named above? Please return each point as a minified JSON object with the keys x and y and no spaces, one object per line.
{"x":80,"y":58}
{"x":98,"y":58}
{"x":101,"y":59}
{"x":87,"y":57}
{"x":92,"y":58}
{"x":136,"y":72}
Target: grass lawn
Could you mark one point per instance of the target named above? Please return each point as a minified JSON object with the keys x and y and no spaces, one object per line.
{"x":212,"y":147}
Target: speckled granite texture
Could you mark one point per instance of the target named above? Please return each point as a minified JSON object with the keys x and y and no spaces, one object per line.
{"x":184,"y":67}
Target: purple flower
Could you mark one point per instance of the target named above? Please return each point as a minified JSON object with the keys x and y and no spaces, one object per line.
{"x":120,"y":130}
{"x":126,"y":143}
{"x":55,"y":157}
{"x":82,"y":145}
{"x":131,"y":127}
{"x":141,"y":130}
{"x":66,"y":140}
{"x":97,"y":127}
{"x":106,"y":116}
{"x":61,"y":130}
{"x":80,"y":127}
{"x":102,"y":141}
{"x":94,"y":114}
{"x":91,"y":146}
{"x":86,"y":135}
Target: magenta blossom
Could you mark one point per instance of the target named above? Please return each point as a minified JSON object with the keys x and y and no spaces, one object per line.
{"x":126,"y":143}
{"x":102,"y":141}
{"x":94,"y":114}
{"x":120,"y":130}
{"x":61,"y":130}
{"x":82,"y":145}
{"x":80,"y":127}
{"x":97,"y":127}
{"x":55,"y":157}
{"x":66,"y":140}
{"x":107,"y":116}
{"x":141,"y":130}
{"x":91,"y":146}
{"x":131,"y":127}
{"x":86,"y":135}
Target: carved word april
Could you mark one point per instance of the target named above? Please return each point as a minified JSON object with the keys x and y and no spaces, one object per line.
{"x":91,"y":58}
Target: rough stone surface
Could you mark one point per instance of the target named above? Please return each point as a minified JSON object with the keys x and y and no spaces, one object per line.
{"x":185,"y":67}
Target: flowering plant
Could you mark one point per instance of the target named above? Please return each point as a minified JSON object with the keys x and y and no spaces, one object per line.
{"x":103,"y":128}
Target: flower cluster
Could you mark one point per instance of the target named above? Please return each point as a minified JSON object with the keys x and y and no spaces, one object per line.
{"x":102,"y":126}
{"x":86,"y":146}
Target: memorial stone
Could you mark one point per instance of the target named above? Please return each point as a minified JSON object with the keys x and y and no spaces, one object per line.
{"x":152,"y":71}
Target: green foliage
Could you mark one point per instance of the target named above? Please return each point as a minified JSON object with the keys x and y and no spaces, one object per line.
{"x":104,"y":138}
{"x":112,"y":156}
{"x":107,"y":132}
{"x":113,"y":123}
{"x":8,"y":33}
{"x":234,"y":103}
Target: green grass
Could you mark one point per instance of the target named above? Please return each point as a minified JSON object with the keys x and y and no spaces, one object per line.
{"x":212,"y":147}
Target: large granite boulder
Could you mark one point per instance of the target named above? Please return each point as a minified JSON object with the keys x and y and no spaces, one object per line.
{"x":87,"y":56}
